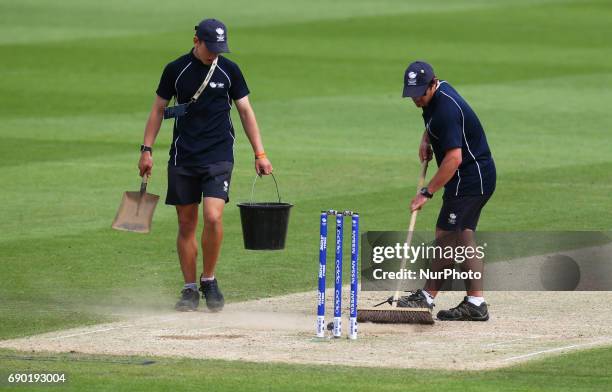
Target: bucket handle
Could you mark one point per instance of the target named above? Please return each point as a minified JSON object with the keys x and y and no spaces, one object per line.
{"x":275,"y":183}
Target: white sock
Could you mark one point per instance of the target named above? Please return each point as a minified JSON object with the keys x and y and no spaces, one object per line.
{"x":203,"y":279}
{"x":191,"y":286}
{"x":475,"y":300}
{"x":428,"y":297}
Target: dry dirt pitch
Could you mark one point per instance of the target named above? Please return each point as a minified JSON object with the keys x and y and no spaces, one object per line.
{"x":523,"y":326}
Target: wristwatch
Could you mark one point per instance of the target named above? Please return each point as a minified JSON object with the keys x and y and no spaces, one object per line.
{"x":144,"y":148}
{"x":425,"y":192}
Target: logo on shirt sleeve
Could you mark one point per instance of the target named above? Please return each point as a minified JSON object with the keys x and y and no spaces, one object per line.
{"x":216,"y":85}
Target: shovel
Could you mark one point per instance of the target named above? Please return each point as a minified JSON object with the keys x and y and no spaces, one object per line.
{"x":136,"y":210}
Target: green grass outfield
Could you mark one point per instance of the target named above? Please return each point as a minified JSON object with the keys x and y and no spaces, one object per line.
{"x":78,"y":79}
{"x":576,"y":372}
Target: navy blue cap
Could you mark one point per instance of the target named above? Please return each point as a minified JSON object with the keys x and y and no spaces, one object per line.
{"x":214,"y":34}
{"x":417,"y":77}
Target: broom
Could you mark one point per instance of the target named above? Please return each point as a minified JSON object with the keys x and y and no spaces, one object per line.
{"x":392,"y":314}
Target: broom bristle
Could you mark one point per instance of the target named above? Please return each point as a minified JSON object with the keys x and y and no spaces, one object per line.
{"x":395,"y":315}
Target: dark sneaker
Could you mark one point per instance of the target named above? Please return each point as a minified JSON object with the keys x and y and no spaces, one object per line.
{"x":212,"y":294}
{"x":190,"y":298}
{"x":465,"y":311}
{"x":416,"y":299}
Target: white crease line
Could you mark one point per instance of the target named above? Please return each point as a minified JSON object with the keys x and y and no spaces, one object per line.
{"x":211,"y":328}
{"x":118,"y":327}
{"x":556,"y":349}
{"x":83,"y":333}
{"x":171,"y":318}
{"x":113,"y":328}
{"x":510,"y":341}
{"x":200,"y":330}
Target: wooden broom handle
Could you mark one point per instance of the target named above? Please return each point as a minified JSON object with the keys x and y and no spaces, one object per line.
{"x":410,"y":229}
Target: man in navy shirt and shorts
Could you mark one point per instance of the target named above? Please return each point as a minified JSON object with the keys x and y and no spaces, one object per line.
{"x":202,"y":151}
{"x":466,"y":171}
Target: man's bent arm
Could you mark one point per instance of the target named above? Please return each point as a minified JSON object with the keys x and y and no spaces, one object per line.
{"x":425,"y":152}
{"x":154,"y":122}
{"x":249,"y":123}
{"x":425,"y":138}
{"x":446,"y":171}
{"x":145,"y":165}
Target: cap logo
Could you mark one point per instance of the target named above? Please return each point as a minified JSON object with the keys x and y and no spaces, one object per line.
{"x":412,"y":78}
{"x":220,"y":34}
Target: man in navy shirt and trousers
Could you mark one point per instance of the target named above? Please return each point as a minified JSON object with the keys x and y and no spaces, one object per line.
{"x":202,"y":151}
{"x":466,"y":171}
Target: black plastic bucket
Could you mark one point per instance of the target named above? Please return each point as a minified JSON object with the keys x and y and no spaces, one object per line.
{"x":264,"y":225}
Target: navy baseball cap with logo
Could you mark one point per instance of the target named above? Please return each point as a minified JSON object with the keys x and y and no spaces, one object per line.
{"x":214,"y":34}
{"x":417,"y":77}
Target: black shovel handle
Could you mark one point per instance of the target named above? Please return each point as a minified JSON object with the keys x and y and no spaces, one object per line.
{"x":143,"y":185}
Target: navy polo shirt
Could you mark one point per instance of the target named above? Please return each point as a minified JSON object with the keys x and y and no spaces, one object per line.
{"x":451,"y":123}
{"x":205,"y":134}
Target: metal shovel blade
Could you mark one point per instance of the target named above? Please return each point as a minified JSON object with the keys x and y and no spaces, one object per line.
{"x":135,"y":212}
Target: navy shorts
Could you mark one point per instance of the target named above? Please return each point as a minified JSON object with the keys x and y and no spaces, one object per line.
{"x":461,"y":212}
{"x":187,"y":185}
